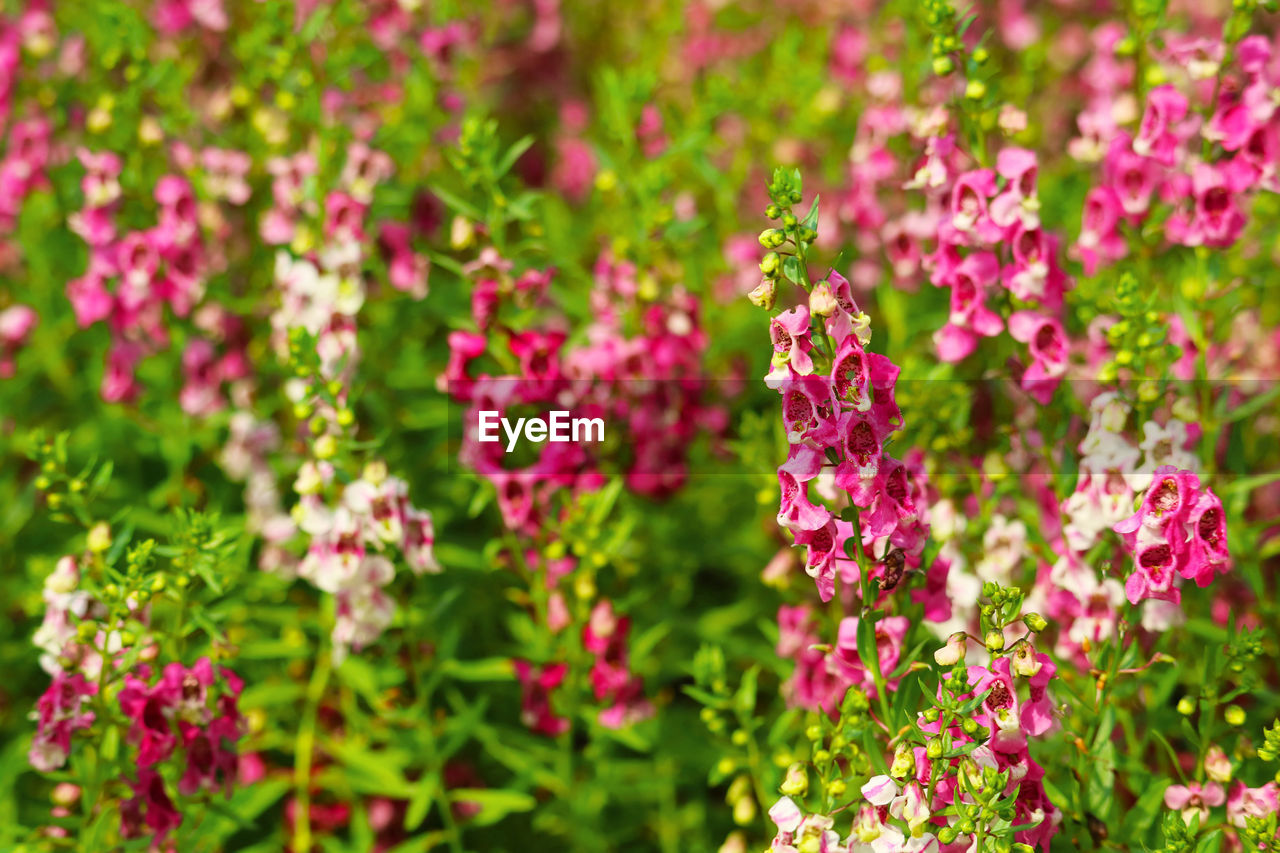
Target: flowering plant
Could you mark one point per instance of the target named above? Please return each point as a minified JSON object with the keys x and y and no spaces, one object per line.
{"x":927,"y":492}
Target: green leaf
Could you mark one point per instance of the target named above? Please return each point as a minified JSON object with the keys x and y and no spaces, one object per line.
{"x":811,"y":218}
{"x":745,"y":698}
{"x":1142,"y":815}
{"x":1211,"y":843}
{"x":494,"y":804}
{"x":513,"y":154}
{"x":793,"y":270}
{"x":479,"y":669}
{"x":420,"y":802}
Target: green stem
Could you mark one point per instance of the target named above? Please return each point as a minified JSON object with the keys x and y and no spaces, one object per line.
{"x":304,"y":750}
{"x":864,"y":581}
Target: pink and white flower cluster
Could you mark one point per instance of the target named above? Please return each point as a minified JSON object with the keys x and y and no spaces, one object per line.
{"x":352,"y":543}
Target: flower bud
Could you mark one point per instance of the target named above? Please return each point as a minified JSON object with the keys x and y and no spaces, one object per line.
{"x":769,"y":266}
{"x":99,"y":538}
{"x":1216,"y":765}
{"x":796,"y":784}
{"x":1025,"y":662}
{"x":65,"y":794}
{"x":326,"y":447}
{"x":1186,"y":707}
{"x":461,"y":233}
{"x":934,"y":749}
{"x":1234,"y":715}
{"x":994,"y":641}
{"x":822,"y":302}
{"x":764,"y":294}
{"x":772,"y":238}
{"x":903,"y":760}
{"x":1035,"y":622}
{"x":953,"y":652}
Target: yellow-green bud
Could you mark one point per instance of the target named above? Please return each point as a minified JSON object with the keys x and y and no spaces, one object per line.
{"x":326,"y":447}
{"x":796,"y":783}
{"x":99,"y":538}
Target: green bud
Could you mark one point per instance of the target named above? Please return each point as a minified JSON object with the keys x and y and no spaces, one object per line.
{"x":1186,"y":706}
{"x":773,"y":211}
{"x":975,"y":90}
{"x":1035,"y":622}
{"x":1234,"y":715}
{"x":769,"y":266}
{"x":981,"y":55}
{"x":994,"y":641}
{"x":814,"y":732}
{"x":934,"y":749}
{"x":772,"y":238}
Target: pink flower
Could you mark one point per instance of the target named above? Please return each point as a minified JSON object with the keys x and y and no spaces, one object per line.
{"x":1100,"y":243}
{"x":789,"y":332}
{"x":970,"y":317}
{"x":1193,"y":799}
{"x":60,"y":712}
{"x":535,"y":704}
{"x":1048,"y":344}
{"x":16,"y":323}
{"x":1158,"y":135}
{"x":1246,"y":802}
{"x":1208,"y":527}
{"x":969,"y":205}
{"x":150,"y":810}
